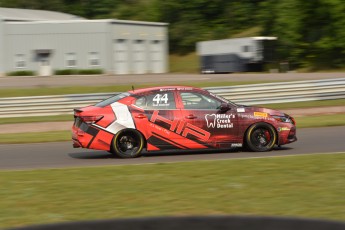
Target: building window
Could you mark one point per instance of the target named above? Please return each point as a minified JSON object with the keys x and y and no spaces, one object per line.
{"x":246,"y":48}
{"x":20,"y":61}
{"x":94,"y":59}
{"x":156,"y":41}
{"x":120,"y":40}
{"x":71,"y":60}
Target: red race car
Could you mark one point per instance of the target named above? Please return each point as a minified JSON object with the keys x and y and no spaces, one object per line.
{"x":177,"y":117}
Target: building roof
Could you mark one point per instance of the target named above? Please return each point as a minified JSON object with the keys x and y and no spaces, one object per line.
{"x":14,"y":14}
{"x":112,"y":21}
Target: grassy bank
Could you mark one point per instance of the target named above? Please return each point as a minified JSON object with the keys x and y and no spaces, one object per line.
{"x":16,"y":120}
{"x":21,"y":138}
{"x":320,"y":121}
{"x":188,"y":63}
{"x":306,"y":104}
{"x":303,"y":186}
{"x":15,"y":138}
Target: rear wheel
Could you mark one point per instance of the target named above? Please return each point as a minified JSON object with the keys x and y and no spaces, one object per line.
{"x":128,"y":144}
{"x":261,"y":137}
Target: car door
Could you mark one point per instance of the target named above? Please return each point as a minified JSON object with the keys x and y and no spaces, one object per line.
{"x":157,"y":117}
{"x":210,"y":126}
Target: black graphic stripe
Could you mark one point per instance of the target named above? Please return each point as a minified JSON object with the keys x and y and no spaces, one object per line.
{"x":93,"y":132}
{"x":158,"y":140}
{"x":193,"y":138}
{"x":170,"y":141}
{"x":153,"y":140}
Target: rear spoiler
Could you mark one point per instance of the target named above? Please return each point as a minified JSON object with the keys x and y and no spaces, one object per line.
{"x":77,"y":111}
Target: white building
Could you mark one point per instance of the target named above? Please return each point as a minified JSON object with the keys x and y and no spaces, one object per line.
{"x":44,"y":41}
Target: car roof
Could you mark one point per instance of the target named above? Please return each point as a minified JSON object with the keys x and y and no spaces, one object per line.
{"x":165,"y":88}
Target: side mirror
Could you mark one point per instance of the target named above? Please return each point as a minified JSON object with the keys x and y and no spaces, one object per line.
{"x":224,"y":107}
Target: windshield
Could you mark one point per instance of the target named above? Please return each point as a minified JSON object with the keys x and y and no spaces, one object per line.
{"x":112,"y":99}
{"x":223,"y":99}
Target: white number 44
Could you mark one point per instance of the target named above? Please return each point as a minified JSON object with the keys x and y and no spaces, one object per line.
{"x":159,"y":99}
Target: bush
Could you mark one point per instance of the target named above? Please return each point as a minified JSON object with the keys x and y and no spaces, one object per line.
{"x":21,"y":73}
{"x":66,"y":72}
{"x":90,"y":71}
{"x":78,"y":71}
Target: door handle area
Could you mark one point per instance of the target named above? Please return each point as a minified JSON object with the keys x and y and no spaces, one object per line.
{"x":191,"y":116}
{"x":140,"y":116}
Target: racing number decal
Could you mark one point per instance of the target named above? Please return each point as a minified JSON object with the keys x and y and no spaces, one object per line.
{"x":163,"y":101}
{"x":159,"y":99}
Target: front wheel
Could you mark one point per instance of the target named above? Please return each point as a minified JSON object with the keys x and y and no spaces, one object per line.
{"x":261,"y":137}
{"x":128,"y":144}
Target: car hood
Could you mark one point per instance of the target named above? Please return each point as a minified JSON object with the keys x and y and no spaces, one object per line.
{"x":253,"y":109}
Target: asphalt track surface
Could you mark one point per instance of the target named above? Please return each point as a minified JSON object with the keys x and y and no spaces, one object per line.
{"x":61,"y":154}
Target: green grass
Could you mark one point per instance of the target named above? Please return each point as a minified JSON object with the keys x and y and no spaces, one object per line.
{"x":320,"y":121}
{"x":188,"y":63}
{"x":306,"y":104}
{"x":53,"y":136}
{"x":43,"y":91}
{"x":16,"y":120}
{"x":302,"y":122}
{"x":309,"y":186}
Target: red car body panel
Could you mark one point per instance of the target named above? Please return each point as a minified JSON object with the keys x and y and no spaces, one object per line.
{"x":171,"y":122}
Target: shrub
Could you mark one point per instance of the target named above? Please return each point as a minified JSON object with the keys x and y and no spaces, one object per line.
{"x":66,"y":72}
{"x":21,"y":73}
{"x":90,"y":71}
{"x":78,"y":71}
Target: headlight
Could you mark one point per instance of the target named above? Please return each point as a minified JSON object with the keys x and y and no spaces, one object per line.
{"x":284,"y":119}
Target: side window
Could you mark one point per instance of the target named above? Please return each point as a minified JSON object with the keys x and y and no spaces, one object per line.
{"x":94,"y":59}
{"x":193,"y":100}
{"x":20,"y":61}
{"x":158,"y":100}
{"x":71,"y":60}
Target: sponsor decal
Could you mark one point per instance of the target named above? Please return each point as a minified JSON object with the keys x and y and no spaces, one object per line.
{"x":184,"y":88}
{"x":236,"y":145}
{"x":249,"y":116}
{"x":168,"y":89}
{"x":260,"y":114}
{"x":241,"y":110}
{"x":180,"y":127}
{"x":167,"y":132}
{"x":179,"y":88}
{"x":219,"y":120}
{"x":280,"y":129}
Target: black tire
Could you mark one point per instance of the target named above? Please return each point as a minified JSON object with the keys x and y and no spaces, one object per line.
{"x":128,"y":144}
{"x":261,"y":137}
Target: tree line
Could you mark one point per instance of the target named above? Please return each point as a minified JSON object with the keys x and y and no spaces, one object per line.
{"x":310,"y":34}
